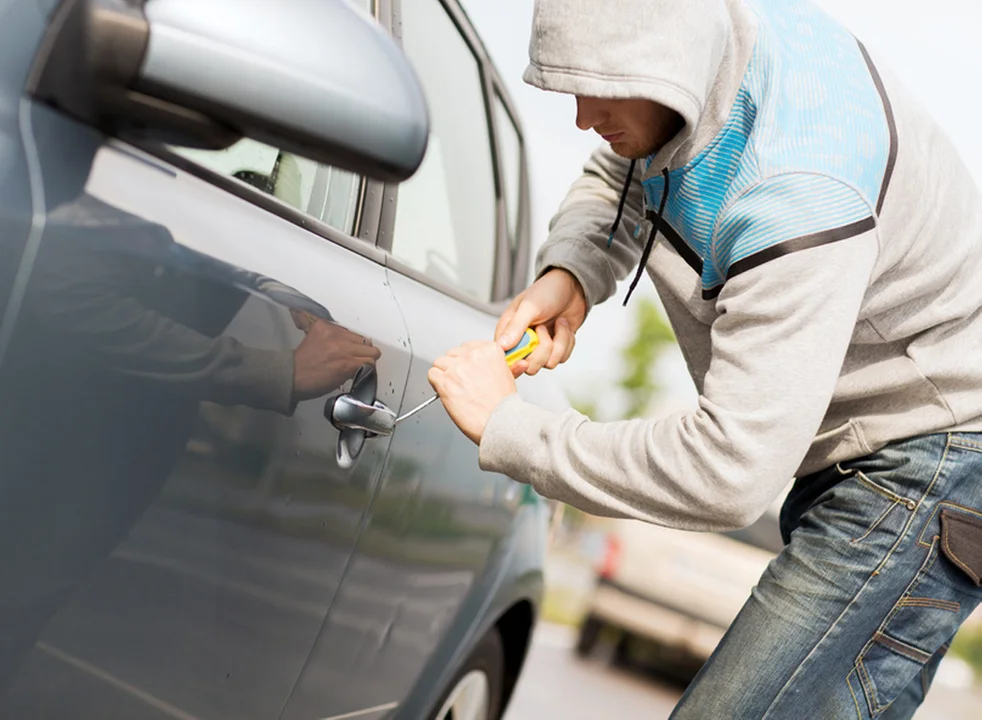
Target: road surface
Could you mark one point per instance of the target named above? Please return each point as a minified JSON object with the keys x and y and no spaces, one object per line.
{"x":557,"y":684}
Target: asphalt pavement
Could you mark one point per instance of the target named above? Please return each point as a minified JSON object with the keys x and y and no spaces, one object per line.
{"x":558,"y":684}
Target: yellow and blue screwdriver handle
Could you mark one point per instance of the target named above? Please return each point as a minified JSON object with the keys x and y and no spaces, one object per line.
{"x":528,"y":343}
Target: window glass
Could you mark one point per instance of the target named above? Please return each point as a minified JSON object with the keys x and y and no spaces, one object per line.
{"x":445,"y":215}
{"x":510,"y":152}
{"x":321,"y":191}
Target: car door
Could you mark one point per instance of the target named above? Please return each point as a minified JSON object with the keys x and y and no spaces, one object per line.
{"x":177,"y":507}
{"x":428,"y":565}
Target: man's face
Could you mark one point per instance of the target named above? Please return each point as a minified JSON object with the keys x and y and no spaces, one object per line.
{"x":635,"y":129}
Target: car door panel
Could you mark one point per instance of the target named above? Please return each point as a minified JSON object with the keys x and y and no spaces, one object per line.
{"x":175,"y":523}
{"x":433,"y":544}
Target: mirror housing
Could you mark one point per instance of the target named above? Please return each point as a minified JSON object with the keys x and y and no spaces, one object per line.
{"x":319,"y":79}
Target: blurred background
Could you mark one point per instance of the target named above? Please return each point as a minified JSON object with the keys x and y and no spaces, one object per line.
{"x":616,"y":642}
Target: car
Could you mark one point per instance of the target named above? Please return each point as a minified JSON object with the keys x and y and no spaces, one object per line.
{"x":662,"y":598}
{"x":235,"y":237}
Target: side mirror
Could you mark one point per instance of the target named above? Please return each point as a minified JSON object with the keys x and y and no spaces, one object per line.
{"x":319,"y":79}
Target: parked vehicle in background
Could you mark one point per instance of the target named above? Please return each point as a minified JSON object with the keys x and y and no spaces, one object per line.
{"x":664,"y":598}
{"x":216,"y":295}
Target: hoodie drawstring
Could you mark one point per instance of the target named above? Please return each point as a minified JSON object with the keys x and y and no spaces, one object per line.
{"x":655,"y":227}
{"x":620,"y":206}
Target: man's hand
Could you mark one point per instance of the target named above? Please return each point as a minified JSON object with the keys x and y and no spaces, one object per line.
{"x":555,"y":307}
{"x":472,"y":380}
{"x":326,"y":357}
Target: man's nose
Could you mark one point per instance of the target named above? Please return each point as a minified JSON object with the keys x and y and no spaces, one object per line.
{"x":589,"y":113}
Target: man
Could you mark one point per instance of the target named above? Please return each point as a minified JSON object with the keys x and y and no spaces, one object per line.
{"x":817,"y":245}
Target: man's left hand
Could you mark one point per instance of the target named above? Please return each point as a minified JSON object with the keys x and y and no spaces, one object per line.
{"x":472,"y":380}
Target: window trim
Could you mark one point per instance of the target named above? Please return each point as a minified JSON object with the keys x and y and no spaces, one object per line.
{"x":372,"y":218}
{"x":502,"y":280}
{"x":518,"y":271}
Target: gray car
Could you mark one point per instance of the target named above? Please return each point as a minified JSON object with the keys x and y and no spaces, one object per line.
{"x":234,"y":235}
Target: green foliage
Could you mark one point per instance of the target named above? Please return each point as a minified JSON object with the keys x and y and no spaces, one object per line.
{"x":585,"y":407}
{"x":652,"y":336}
{"x":968,"y":646}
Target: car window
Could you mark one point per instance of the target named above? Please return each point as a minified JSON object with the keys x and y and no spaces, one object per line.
{"x":446,"y":213}
{"x":510,"y":153}
{"x":321,"y":191}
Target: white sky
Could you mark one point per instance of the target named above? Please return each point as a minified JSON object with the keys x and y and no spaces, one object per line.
{"x":933,"y":47}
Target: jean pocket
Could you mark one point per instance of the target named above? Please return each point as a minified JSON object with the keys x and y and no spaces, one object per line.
{"x":930,"y":611}
{"x":862,"y":504}
{"x":961,"y":542}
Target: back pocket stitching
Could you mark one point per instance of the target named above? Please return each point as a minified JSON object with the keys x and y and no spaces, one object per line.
{"x":948,"y":605}
{"x":872,"y":700}
{"x":914,"y":654}
{"x":937,"y":512}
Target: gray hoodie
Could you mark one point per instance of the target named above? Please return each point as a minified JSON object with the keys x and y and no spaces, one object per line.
{"x":819,"y":257}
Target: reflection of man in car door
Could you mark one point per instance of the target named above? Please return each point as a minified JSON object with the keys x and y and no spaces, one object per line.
{"x":126,"y":342}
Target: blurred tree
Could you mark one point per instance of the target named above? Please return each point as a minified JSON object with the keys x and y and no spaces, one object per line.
{"x":638,"y":381}
{"x":652,"y":336}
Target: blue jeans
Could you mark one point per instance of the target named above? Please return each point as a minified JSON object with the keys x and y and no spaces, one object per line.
{"x":881,"y":567}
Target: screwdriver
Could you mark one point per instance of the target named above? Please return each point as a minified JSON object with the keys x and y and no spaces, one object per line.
{"x":522,"y":350}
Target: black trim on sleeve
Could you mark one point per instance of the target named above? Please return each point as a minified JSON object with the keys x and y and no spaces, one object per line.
{"x":712,"y":293}
{"x":806,"y":242}
{"x":891,"y":123}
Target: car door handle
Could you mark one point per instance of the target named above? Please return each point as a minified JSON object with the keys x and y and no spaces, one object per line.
{"x":350,"y":413}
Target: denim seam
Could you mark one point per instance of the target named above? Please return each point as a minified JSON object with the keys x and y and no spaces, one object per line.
{"x":876,"y":523}
{"x":937,"y":511}
{"x":835,"y":624}
{"x":869,"y":690}
{"x":829,"y":631}
{"x":872,"y":698}
{"x":947,"y":605}
{"x":926,"y":566}
{"x":901,"y":648}
{"x":855,"y":700}
{"x":885,"y":492}
{"x":964,"y":443}
{"x":920,"y":503}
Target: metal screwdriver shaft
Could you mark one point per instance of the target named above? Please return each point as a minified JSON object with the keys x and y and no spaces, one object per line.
{"x":524,"y":348}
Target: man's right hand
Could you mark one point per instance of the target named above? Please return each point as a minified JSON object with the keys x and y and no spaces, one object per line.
{"x":555,"y":307}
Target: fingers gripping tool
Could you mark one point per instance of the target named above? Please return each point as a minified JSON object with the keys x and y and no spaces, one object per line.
{"x":522,"y":350}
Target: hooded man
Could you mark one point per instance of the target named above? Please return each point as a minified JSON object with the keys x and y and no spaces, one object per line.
{"x":817,"y":245}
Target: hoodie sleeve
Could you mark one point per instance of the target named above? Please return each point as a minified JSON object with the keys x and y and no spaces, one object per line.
{"x":579,"y":231}
{"x":777,"y":347}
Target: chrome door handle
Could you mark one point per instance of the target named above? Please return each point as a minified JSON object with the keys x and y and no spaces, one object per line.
{"x":350,"y":413}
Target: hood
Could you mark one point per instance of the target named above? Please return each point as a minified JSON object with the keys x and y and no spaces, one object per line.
{"x":689,"y":55}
